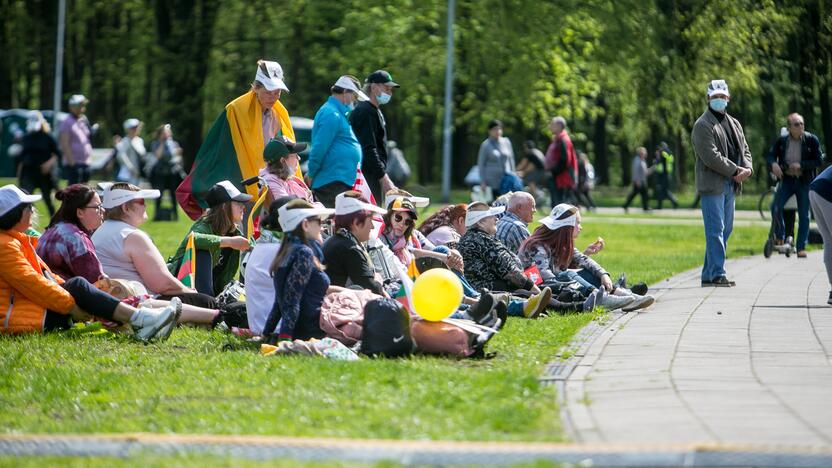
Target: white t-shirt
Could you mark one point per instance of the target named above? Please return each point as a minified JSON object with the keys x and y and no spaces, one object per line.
{"x":259,"y":285}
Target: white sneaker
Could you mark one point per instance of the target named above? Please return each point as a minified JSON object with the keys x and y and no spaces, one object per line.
{"x":640,"y":302}
{"x":612,"y":302}
{"x":165,"y":332}
{"x":156,"y":323}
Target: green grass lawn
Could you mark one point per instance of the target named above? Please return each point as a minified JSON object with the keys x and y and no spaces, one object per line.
{"x":196,"y":383}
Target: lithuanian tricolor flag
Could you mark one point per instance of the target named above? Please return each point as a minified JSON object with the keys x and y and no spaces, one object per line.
{"x":187,"y":269}
{"x":232,"y":150}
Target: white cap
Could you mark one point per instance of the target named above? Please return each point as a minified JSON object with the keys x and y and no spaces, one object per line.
{"x":77,"y":100}
{"x":11,"y":197}
{"x":472,"y":217}
{"x":350,"y":83}
{"x":552,"y":222}
{"x":290,"y":218}
{"x":346,"y":205}
{"x":117,"y":197}
{"x":272,"y":77}
{"x":131,"y":123}
{"x":718,"y":87}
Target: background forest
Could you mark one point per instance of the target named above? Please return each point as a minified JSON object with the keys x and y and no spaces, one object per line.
{"x":624,"y":73}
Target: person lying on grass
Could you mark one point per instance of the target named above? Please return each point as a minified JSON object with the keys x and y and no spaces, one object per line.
{"x":33,"y":299}
{"x":67,"y":249}
{"x":128,"y":253}
{"x":551,"y":248}
{"x":217,"y":239}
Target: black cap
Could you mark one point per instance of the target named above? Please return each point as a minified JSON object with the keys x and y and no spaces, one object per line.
{"x":225,"y":191}
{"x":495,"y":123}
{"x":382,"y":77}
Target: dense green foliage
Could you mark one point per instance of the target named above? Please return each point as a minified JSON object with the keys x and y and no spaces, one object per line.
{"x":624,"y":73}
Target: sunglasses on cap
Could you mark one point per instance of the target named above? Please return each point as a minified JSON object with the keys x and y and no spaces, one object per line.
{"x":398,"y":217}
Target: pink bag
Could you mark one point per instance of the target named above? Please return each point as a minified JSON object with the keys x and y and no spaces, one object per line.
{"x":441,"y":338}
{"x":342,"y":314}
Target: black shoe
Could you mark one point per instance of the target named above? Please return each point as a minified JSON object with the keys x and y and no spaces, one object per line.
{"x":829,"y":301}
{"x":501,"y":310}
{"x":232,"y":315}
{"x":719,"y":282}
{"x":622,"y":281}
{"x":639,"y":288}
{"x":481,"y":311}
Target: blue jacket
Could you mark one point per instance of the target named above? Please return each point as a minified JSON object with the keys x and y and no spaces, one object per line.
{"x":335,"y":153}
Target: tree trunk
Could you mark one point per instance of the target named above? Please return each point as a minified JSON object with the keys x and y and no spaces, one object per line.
{"x":626,"y":158}
{"x":599,"y":140}
{"x":427,"y":149}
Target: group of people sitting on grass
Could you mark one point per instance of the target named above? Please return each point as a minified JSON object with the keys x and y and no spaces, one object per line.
{"x":93,"y":261}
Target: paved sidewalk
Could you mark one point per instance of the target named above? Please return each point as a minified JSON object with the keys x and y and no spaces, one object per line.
{"x":750,"y":364}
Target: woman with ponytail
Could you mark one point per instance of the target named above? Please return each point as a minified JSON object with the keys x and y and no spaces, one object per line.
{"x":300,"y":283}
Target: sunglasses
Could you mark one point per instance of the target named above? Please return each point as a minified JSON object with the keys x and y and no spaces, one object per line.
{"x":94,"y":207}
{"x":398,"y":217}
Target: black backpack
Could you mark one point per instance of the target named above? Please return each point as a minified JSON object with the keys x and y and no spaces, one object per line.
{"x":386,"y":329}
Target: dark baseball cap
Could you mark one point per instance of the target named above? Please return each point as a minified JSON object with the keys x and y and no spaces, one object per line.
{"x":225,"y":191}
{"x":382,"y":77}
{"x":280,"y":147}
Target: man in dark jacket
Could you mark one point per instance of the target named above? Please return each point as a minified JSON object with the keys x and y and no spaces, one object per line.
{"x":794,"y":159}
{"x":723,"y":162}
{"x":370,"y":128}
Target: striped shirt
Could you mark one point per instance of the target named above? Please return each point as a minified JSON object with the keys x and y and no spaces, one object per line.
{"x":512,"y":231}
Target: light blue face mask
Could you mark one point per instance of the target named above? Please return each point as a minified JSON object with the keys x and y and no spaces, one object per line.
{"x":719,"y":104}
{"x":383,"y":98}
{"x":351,"y":106}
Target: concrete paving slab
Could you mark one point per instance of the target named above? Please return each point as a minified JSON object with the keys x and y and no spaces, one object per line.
{"x":748,"y":364}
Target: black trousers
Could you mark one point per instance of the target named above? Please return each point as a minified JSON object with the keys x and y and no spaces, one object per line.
{"x":89,"y":298}
{"x":31,"y":178}
{"x":640,"y":190}
{"x":326,"y":193}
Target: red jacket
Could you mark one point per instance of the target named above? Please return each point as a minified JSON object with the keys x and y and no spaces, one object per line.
{"x":562,"y":161}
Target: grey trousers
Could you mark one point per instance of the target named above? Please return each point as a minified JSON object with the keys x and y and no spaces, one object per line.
{"x":822,"y":209}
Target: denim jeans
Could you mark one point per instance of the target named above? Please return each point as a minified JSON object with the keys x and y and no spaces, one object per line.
{"x":791,"y":186}
{"x":586,"y":288}
{"x":718,"y":217}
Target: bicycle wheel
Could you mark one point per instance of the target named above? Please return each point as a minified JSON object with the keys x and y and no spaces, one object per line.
{"x":764,"y":204}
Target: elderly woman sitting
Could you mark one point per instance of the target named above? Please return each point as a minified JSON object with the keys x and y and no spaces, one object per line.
{"x":281,"y":156}
{"x":127,"y":252}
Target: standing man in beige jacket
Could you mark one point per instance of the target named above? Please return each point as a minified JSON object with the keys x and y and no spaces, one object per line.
{"x":723,"y":162}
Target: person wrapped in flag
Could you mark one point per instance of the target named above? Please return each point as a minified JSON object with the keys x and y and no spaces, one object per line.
{"x":214,"y":241}
{"x":233,"y":148}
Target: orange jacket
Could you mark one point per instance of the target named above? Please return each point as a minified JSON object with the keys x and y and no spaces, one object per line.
{"x":25,"y":291}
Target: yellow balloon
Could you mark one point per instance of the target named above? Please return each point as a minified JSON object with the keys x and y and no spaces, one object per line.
{"x":437,"y":293}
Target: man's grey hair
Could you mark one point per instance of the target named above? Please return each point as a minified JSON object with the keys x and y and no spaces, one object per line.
{"x":559,"y":120}
{"x":519,"y":199}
